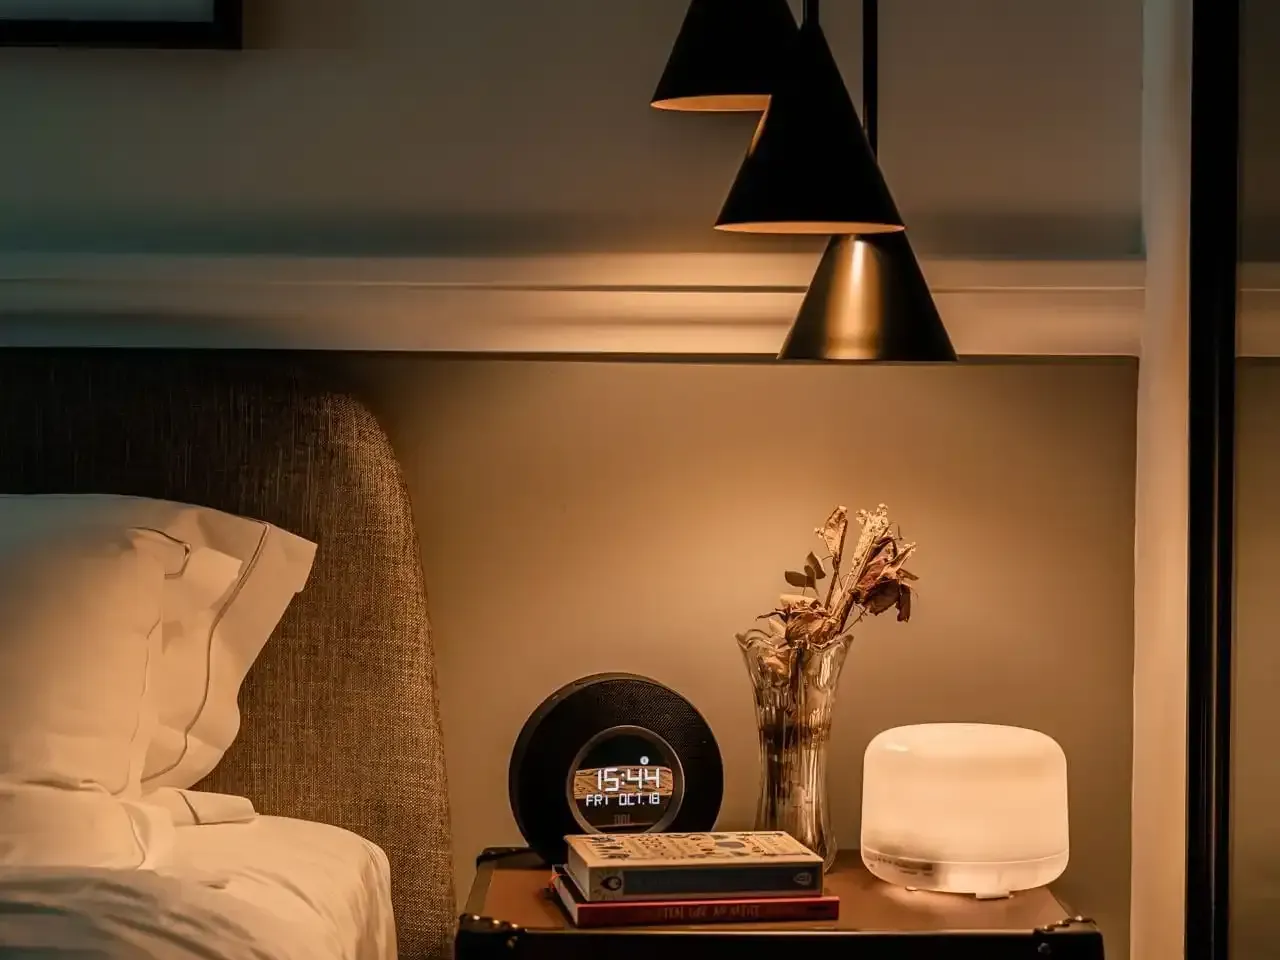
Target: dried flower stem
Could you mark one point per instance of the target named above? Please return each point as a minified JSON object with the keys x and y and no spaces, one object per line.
{"x":833,"y":534}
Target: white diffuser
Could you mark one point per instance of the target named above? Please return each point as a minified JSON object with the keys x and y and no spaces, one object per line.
{"x":965,"y":808}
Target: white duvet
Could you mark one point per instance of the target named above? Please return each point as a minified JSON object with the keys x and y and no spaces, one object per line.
{"x":269,"y":889}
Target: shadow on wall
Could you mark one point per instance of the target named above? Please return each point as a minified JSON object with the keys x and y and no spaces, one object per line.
{"x":1022,"y":236}
{"x":105,"y":329}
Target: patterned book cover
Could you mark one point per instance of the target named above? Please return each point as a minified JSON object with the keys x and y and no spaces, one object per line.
{"x":692,"y":866}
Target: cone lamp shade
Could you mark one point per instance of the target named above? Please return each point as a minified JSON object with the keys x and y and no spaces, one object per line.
{"x":727,"y":56}
{"x":810,"y":168}
{"x":869,"y":301}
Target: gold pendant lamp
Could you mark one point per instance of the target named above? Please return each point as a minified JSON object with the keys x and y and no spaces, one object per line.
{"x":869,"y":301}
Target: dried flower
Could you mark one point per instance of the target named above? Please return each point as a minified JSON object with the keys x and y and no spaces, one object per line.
{"x":875,"y":581}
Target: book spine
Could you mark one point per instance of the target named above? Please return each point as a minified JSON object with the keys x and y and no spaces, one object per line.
{"x":710,"y":882}
{"x":578,"y":871}
{"x":623,"y":914}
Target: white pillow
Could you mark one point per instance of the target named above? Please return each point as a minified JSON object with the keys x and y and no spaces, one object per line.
{"x":237,"y":583}
{"x":197,"y":808}
{"x":43,"y":826}
{"x":80,"y":631}
{"x":203,"y":666}
{"x":80,"y":623}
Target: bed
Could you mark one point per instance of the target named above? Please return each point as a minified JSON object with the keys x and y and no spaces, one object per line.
{"x":340,"y":746}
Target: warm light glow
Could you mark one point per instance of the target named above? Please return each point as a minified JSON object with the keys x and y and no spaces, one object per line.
{"x":716,"y":103}
{"x":814,"y":227}
{"x":965,"y":808}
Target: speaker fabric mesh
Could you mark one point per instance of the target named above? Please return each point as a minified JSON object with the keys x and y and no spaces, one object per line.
{"x":544,"y":754}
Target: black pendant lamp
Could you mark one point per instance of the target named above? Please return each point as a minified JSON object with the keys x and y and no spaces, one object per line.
{"x":810,"y":168}
{"x":727,"y":56}
{"x":869,"y":300}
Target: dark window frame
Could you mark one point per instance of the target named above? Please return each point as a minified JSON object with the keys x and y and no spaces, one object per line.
{"x":222,"y":31}
{"x":1213,"y":299}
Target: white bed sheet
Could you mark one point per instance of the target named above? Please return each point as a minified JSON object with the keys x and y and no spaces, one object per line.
{"x":270,"y":889}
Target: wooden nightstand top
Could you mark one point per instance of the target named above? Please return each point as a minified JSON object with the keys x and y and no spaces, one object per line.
{"x":509,"y":905}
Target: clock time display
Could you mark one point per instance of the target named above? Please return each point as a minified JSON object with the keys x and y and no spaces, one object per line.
{"x":623,"y":784}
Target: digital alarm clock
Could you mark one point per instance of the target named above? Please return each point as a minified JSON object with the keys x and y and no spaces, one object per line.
{"x":613,"y":753}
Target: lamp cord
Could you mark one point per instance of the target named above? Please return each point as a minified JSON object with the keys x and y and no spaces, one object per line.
{"x":871,"y":72}
{"x":870,"y":64}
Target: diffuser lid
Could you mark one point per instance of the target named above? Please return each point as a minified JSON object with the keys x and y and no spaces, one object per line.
{"x":969,"y":742}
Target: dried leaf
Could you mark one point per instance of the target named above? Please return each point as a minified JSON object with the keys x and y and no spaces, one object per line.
{"x":833,"y":531}
{"x":797,"y":579}
{"x":904,"y":604}
{"x":790,"y":601}
{"x":775,"y":626}
{"x":874,"y":529}
{"x":813,"y":563}
{"x":873,"y":571}
{"x":814,"y":576}
{"x":883,"y":595}
{"x":903,"y":553}
{"x":807,"y":628}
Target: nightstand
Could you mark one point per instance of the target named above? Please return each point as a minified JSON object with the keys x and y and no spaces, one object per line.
{"x":509,"y":915}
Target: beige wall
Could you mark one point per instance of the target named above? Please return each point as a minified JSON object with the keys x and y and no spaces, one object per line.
{"x":580,"y":517}
{"x":1256,"y":777}
{"x":647,"y":509}
{"x":1008,"y":128}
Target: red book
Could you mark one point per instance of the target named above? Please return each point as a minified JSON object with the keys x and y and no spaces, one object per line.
{"x":640,"y":913}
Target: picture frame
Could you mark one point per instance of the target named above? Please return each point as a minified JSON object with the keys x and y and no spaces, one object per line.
{"x":179,"y":24}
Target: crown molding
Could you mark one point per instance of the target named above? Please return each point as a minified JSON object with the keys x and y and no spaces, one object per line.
{"x":665,"y":304}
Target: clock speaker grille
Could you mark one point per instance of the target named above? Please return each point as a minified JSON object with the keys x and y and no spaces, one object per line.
{"x":551,"y":739}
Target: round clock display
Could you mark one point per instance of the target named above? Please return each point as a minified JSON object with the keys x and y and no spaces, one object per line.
{"x":613,"y":753}
{"x":626,"y":779}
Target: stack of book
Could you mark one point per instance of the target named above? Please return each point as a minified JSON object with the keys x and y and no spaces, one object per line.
{"x":623,"y":880}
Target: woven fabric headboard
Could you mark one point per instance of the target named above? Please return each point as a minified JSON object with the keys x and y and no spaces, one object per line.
{"x":340,"y":717}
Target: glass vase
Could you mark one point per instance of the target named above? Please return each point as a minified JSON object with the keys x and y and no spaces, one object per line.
{"x":794,"y":685}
